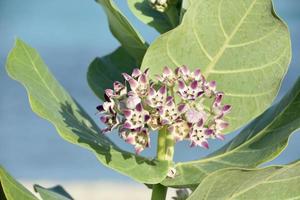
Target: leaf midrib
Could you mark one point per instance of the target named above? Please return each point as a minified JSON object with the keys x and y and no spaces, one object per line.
{"x":216,"y":58}
{"x":38,"y":73}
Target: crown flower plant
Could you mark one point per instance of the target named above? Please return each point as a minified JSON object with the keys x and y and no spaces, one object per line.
{"x":181,"y":101}
{"x":242,"y":51}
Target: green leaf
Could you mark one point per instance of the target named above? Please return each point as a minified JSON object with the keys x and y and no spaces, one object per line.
{"x":260,"y":141}
{"x":50,"y":101}
{"x":11,"y":189}
{"x":158,"y":20}
{"x":276,"y":182}
{"x":55,"y":193}
{"x":124,"y":32}
{"x":184,"y":6}
{"x":104,"y":71}
{"x":241,"y":44}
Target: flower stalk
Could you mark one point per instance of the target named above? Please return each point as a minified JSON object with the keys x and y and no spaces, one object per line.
{"x":165,"y":151}
{"x":165,"y":145}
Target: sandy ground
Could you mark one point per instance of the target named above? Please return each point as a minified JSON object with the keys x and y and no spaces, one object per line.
{"x":96,"y":190}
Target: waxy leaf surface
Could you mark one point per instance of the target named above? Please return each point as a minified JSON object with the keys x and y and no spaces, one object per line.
{"x":50,"y":101}
{"x":276,"y":182}
{"x":104,"y":71}
{"x":241,"y":44}
{"x":260,"y":141}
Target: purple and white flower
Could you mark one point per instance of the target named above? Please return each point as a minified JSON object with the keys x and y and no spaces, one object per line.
{"x":217,"y":108}
{"x":169,"y":112}
{"x":168,"y":77}
{"x":136,"y":118}
{"x":157,"y":98}
{"x":111,"y":121}
{"x":139,"y":138}
{"x":199,"y":135}
{"x":180,"y":130}
{"x":191,"y":91}
{"x":139,"y":82}
{"x":182,"y":101}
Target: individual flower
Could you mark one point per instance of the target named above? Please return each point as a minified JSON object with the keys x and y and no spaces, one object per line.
{"x":199,"y":134}
{"x":139,"y":138}
{"x":168,"y":77}
{"x":132,"y":100}
{"x":136,"y":118}
{"x":210,"y":88}
{"x":218,"y":126}
{"x":169,"y":112}
{"x":154,"y":121}
{"x":180,"y":130}
{"x":183,"y":73}
{"x":157,"y":98}
{"x":217,"y":108}
{"x":118,"y":91}
{"x":191,"y":91}
{"x":139,"y":82}
{"x":111,"y":121}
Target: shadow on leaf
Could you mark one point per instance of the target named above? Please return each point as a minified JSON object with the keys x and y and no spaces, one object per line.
{"x":89,"y":134}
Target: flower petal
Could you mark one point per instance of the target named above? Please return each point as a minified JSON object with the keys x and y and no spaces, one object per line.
{"x":163,"y":90}
{"x":136,"y":73}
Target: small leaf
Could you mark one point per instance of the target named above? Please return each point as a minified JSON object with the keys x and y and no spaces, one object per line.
{"x":260,"y":141}
{"x":121,"y":28}
{"x":50,"y":101}
{"x":12,"y":190}
{"x":104,"y":71}
{"x":241,"y":44}
{"x":54,"y":193}
{"x":276,"y":182}
{"x":158,"y":20}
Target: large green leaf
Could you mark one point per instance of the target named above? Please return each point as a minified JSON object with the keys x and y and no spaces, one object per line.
{"x":55,"y":193}
{"x":104,"y":71}
{"x":121,"y":28}
{"x":276,"y":182}
{"x":12,"y":189}
{"x":260,"y":141}
{"x":158,"y":20}
{"x":50,"y":101}
{"x":241,"y":44}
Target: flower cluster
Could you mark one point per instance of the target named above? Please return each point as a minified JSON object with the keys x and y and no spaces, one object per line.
{"x":183,"y":101}
{"x":161,"y":5}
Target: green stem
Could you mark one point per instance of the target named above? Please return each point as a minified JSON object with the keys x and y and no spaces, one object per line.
{"x":165,"y":151}
{"x":159,"y":192}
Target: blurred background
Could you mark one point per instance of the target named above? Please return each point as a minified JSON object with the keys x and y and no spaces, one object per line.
{"x":69,"y":34}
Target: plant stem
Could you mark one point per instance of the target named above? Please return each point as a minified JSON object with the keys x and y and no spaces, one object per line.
{"x":159,"y":192}
{"x":165,"y":151}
